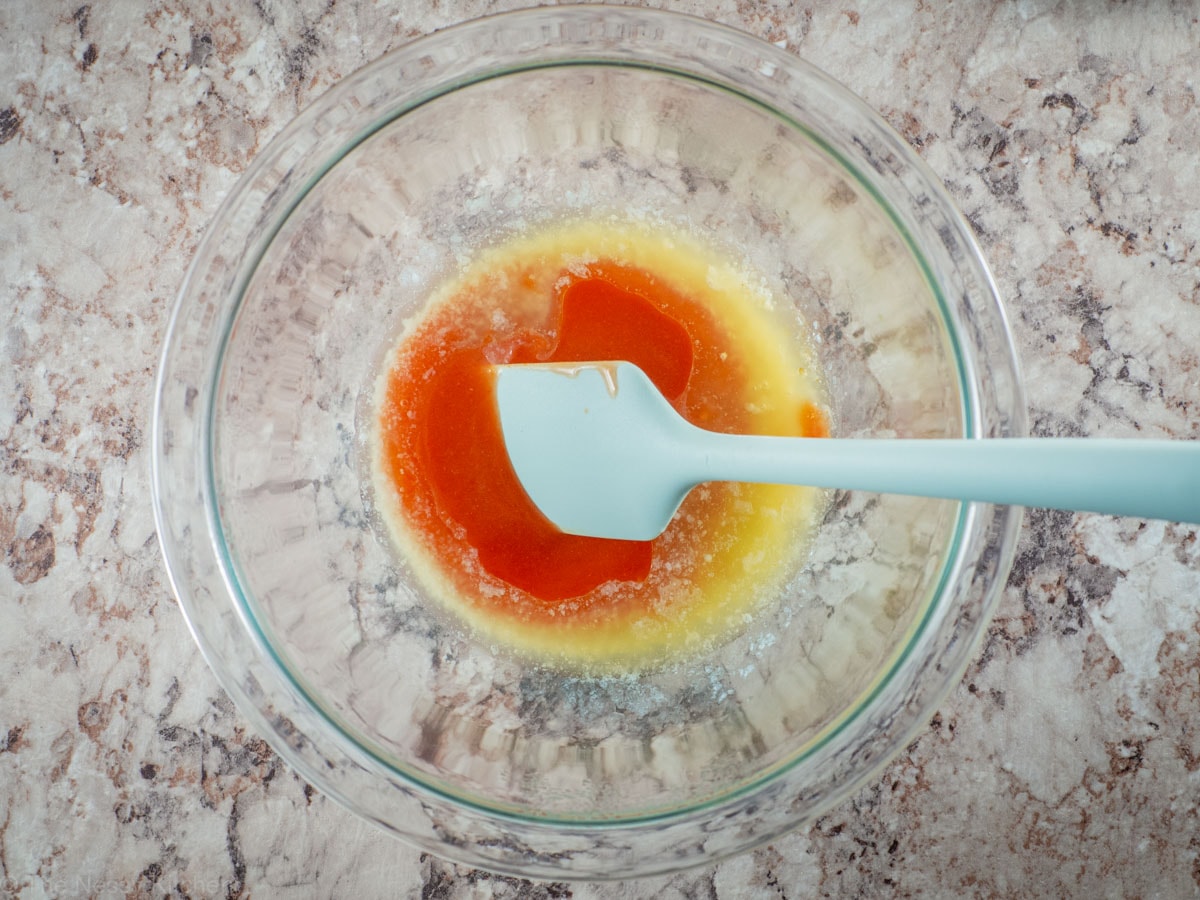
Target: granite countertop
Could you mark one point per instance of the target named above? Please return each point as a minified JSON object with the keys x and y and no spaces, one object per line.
{"x":1067,"y":762}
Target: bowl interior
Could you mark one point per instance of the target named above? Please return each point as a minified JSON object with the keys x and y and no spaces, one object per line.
{"x":401,"y":208}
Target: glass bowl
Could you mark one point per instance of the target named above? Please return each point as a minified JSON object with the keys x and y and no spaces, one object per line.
{"x":340,"y":231}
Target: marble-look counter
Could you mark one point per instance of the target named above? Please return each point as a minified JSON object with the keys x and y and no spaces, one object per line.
{"x":1067,"y":762}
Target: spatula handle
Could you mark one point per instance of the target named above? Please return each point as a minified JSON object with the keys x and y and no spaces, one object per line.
{"x":1147,"y":479}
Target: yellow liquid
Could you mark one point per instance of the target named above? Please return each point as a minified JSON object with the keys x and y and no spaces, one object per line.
{"x":711,"y":571}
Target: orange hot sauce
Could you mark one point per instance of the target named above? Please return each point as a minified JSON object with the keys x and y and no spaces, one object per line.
{"x":459,"y":448}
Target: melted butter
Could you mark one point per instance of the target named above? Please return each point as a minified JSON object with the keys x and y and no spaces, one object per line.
{"x":730,"y":547}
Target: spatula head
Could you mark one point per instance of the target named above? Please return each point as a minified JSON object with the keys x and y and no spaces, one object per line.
{"x":595,"y":445}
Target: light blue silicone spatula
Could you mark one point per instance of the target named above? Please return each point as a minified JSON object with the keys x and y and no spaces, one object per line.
{"x":602,"y":454}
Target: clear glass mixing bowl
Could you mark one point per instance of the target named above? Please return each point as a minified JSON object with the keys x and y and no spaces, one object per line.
{"x":340,"y":230}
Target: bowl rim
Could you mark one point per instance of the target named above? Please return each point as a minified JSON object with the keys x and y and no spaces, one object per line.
{"x":236,"y":201}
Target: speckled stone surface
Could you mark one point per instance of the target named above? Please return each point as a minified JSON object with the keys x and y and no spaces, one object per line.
{"x":1066,"y":763}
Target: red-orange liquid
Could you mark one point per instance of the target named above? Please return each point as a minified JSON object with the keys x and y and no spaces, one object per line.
{"x":459,"y":448}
